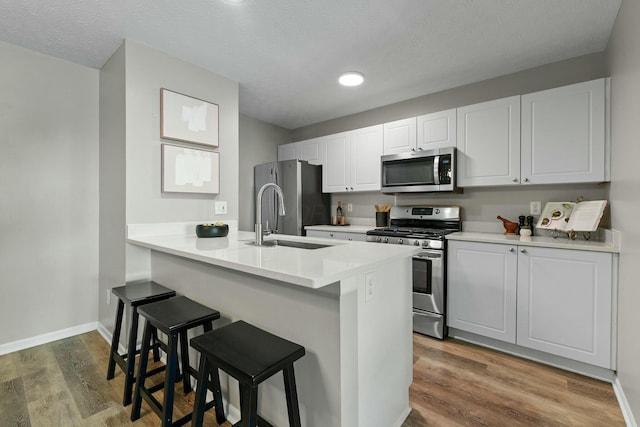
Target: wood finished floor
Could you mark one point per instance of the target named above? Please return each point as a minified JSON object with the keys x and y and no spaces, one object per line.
{"x":455,"y":384}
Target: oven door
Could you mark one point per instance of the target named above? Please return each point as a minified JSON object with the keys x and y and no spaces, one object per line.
{"x":428,"y":281}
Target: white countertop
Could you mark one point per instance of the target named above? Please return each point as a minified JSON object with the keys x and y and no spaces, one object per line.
{"x":312,"y":268}
{"x":540,"y":241}
{"x":361,"y":229}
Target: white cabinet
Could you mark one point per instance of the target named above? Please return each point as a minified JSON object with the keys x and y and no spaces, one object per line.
{"x":309,"y":150}
{"x":437,"y":130}
{"x":553,"y":300}
{"x":563,"y":135}
{"x":554,"y":136}
{"x":481,"y":289}
{"x":352,"y":160}
{"x":488,"y":143}
{"x":400,"y":136}
{"x":288,"y":151}
{"x":426,"y":132}
{"x":564,"y":303}
{"x":356,"y":237}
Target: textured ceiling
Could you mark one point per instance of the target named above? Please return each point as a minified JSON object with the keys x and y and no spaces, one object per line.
{"x":287,"y":54}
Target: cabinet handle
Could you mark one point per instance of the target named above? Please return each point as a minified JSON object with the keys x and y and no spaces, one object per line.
{"x":526,"y":180}
{"x":351,"y":188}
{"x":346,"y":188}
{"x":420,"y":149}
{"x":523,"y":251}
{"x":413,"y":149}
{"x":330,"y":234}
{"x":515,"y":179}
{"x":510,"y":249}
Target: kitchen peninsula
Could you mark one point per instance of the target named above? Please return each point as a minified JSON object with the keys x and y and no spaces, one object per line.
{"x":348,"y":304}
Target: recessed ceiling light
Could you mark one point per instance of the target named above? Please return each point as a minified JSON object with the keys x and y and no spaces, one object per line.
{"x":352,"y":78}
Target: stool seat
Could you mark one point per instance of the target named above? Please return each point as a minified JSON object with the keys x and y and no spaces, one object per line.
{"x":142,"y":293}
{"x":134,"y":295}
{"x":250,"y":355}
{"x":174,"y":317}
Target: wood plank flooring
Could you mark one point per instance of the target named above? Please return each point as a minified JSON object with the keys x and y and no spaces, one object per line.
{"x":455,"y":384}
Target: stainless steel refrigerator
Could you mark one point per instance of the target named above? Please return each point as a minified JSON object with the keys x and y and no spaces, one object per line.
{"x":304,"y":202}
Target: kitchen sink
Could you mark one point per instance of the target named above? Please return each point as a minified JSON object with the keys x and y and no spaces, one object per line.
{"x":291,"y":244}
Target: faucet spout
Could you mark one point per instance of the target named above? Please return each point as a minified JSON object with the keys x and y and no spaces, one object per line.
{"x":258,"y":225}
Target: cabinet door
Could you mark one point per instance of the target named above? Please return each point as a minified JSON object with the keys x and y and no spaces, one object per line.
{"x":563,"y":134}
{"x":437,"y":130}
{"x":489,"y":143}
{"x":399,"y":136}
{"x":564,"y":303}
{"x":336,"y":170}
{"x":311,"y":150}
{"x":481,"y":289}
{"x":366,"y":149}
{"x":288,"y":151}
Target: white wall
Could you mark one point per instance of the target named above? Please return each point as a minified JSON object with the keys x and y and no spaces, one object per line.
{"x":624,"y":63}
{"x":130,"y":167}
{"x":258,"y":144}
{"x":49,"y":191}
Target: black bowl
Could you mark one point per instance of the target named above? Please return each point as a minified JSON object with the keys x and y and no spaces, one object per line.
{"x":210,"y":230}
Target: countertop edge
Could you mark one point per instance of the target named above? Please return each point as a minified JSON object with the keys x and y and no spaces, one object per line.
{"x":537,"y":241}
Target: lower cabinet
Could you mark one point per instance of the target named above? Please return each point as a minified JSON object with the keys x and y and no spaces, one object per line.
{"x":558,"y":301}
{"x":356,"y":237}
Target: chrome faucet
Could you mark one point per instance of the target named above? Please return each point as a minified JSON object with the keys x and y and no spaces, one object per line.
{"x":258,"y":226}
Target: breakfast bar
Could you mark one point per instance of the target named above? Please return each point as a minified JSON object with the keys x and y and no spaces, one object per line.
{"x":347,"y":303}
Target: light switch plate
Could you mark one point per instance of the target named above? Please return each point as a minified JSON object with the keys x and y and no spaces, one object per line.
{"x":535,"y":208}
{"x":369,"y":286}
{"x":221,"y":208}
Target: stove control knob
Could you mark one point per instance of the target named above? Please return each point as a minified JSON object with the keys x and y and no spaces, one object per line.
{"x":425,"y":244}
{"x":378,"y":239}
{"x":400,"y":241}
{"x":386,"y":240}
{"x":416,"y":243}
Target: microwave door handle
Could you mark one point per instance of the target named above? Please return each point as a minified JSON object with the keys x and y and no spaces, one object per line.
{"x":436,"y":170}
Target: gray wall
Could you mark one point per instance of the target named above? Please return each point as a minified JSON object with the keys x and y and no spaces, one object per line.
{"x":482,"y":205}
{"x":49,"y":190}
{"x":258,"y":144}
{"x":131,"y":146}
{"x":624,"y":63}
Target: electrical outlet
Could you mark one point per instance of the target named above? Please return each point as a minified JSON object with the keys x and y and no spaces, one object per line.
{"x":369,"y":286}
{"x":349,"y":207}
{"x":108,"y":296}
{"x":535,"y":208}
{"x":221,"y":208}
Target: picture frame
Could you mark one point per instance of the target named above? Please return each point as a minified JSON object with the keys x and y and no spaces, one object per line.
{"x":187,"y":119}
{"x":190,"y":170}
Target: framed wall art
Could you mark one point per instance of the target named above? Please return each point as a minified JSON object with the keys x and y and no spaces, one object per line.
{"x":190,"y":170}
{"x":187,"y":119}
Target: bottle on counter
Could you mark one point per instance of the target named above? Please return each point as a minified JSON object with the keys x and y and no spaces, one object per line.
{"x":530,"y":223}
{"x":339,"y":214}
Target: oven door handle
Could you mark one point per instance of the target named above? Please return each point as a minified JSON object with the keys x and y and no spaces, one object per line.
{"x":429,"y":254}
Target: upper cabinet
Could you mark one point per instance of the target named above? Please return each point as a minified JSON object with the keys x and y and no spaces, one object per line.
{"x":437,"y":130}
{"x":309,"y":150}
{"x":427,"y":132}
{"x":489,"y":143}
{"x":563,"y":135}
{"x":351,"y":160}
{"x":555,"y":136}
{"x":400,"y":136}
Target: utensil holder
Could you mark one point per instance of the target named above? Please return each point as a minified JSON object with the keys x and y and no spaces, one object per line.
{"x":382,"y":219}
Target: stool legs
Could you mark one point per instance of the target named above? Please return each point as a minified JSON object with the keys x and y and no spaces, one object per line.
{"x":131,"y":358}
{"x":292,"y":396}
{"x":115,"y":340}
{"x":249,"y":405}
{"x":170,"y":379}
{"x":205,"y":370}
{"x":184,"y":352}
{"x":142,"y":369}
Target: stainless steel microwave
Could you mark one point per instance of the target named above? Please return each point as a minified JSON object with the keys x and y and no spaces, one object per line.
{"x":422,"y":171}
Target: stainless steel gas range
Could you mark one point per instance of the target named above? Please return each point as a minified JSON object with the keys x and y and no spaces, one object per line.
{"x":425,"y":227}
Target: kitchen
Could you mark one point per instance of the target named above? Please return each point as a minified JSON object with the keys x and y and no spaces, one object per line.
{"x":619,"y":62}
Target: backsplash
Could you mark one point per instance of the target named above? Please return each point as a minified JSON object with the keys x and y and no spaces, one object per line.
{"x":480,"y":206}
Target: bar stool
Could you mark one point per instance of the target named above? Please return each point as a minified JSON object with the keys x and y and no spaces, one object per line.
{"x":134,"y":295}
{"x":174,"y":317}
{"x":251,"y":356}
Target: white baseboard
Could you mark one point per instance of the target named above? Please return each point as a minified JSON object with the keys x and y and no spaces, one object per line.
{"x":624,"y":403}
{"x":47,"y":338}
{"x":108,"y":336}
